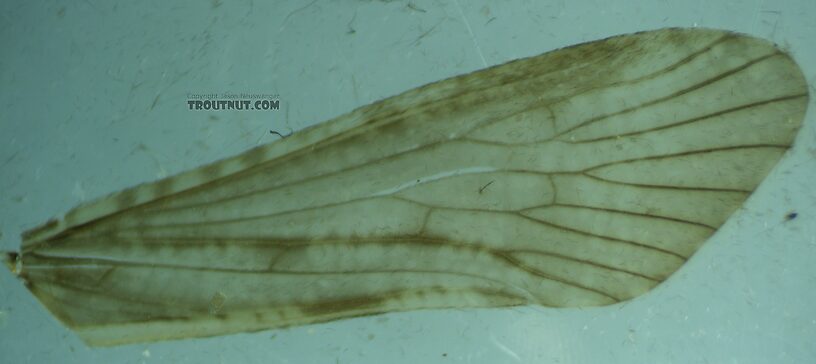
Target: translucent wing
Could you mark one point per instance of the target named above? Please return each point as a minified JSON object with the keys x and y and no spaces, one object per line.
{"x":580,"y":177}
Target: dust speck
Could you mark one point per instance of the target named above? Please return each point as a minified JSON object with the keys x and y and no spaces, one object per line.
{"x":217,"y":302}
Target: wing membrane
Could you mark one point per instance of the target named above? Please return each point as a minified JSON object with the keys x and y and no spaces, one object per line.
{"x":581,"y":177}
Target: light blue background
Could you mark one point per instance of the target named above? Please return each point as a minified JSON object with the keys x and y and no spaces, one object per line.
{"x":92,"y":100}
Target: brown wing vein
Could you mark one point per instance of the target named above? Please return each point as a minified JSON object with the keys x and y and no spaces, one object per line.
{"x":68,"y":262}
{"x":684,"y":91}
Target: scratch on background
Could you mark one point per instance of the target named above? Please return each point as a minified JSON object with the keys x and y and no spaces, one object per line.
{"x":470,"y":30}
